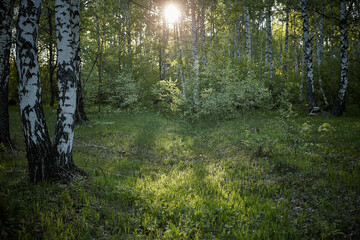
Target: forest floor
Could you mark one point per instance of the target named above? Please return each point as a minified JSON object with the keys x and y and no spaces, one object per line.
{"x":264,"y":175}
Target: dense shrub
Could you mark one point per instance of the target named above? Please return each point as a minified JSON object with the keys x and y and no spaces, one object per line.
{"x":126,"y":92}
{"x":168,"y":96}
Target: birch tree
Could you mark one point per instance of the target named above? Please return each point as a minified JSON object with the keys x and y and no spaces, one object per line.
{"x":6,"y":14}
{"x":247,"y":33}
{"x":178,"y":36}
{"x":38,"y":145}
{"x":64,"y":130}
{"x":195,"y":51}
{"x":340,"y":102}
{"x":164,"y":43}
{"x":308,"y":55}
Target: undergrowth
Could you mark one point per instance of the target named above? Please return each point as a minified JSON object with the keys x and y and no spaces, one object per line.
{"x":264,"y":175}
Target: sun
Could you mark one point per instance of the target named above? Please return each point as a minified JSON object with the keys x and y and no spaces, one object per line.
{"x":172,"y":13}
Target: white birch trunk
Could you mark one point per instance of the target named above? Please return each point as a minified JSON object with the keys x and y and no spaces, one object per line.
{"x":308,"y":56}
{"x":296,"y":64}
{"x":195,"y":52}
{"x":247,"y":33}
{"x":340,"y":102}
{"x":6,"y":14}
{"x":64,"y":130}
{"x":37,"y":139}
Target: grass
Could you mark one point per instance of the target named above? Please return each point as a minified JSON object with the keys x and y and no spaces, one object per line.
{"x":264,"y":175}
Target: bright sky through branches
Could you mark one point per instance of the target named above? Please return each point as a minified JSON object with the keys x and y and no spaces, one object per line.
{"x":172,"y":13}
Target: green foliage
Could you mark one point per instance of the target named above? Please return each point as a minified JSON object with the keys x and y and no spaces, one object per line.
{"x":168,"y":96}
{"x":228,"y":90}
{"x":126,"y":92}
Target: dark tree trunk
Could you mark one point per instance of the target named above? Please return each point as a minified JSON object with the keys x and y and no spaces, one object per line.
{"x":6,"y":13}
{"x":51,"y":58}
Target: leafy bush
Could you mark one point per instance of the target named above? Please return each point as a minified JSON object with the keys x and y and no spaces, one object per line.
{"x":126,"y":92}
{"x":231,"y":90}
{"x":168,"y":96}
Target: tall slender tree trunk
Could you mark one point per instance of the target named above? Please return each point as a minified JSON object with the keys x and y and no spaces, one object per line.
{"x":120,"y":21}
{"x":37,"y":138}
{"x":237,"y":39}
{"x":67,"y":84}
{"x":320,"y":50}
{"x":296,"y":64}
{"x":163,"y":56}
{"x":203,"y":32}
{"x":340,"y":102}
{"x":180,"y":58}
{"x":308,"y":56}
{"x":80,"y":115}
{"x":128,"y":33}
{"x":302,"y":77}
{"x":6,"y":15}
{"x":99,"y":54}
{"x":247,"y":33}
{"x":286,"y":50}
{"x":195,"y":52}
{"x":53,"y":91}
{"x":212,"y":20}
{"x":269,"y":43}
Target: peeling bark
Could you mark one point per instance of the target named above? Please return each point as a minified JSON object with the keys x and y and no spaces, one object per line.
{"x":6,"y":15}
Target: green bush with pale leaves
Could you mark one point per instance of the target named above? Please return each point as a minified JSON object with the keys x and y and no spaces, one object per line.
{"x":126,"y":92}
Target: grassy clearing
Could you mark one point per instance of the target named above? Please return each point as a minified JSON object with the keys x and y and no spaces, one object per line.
{"x":261,"y":176}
